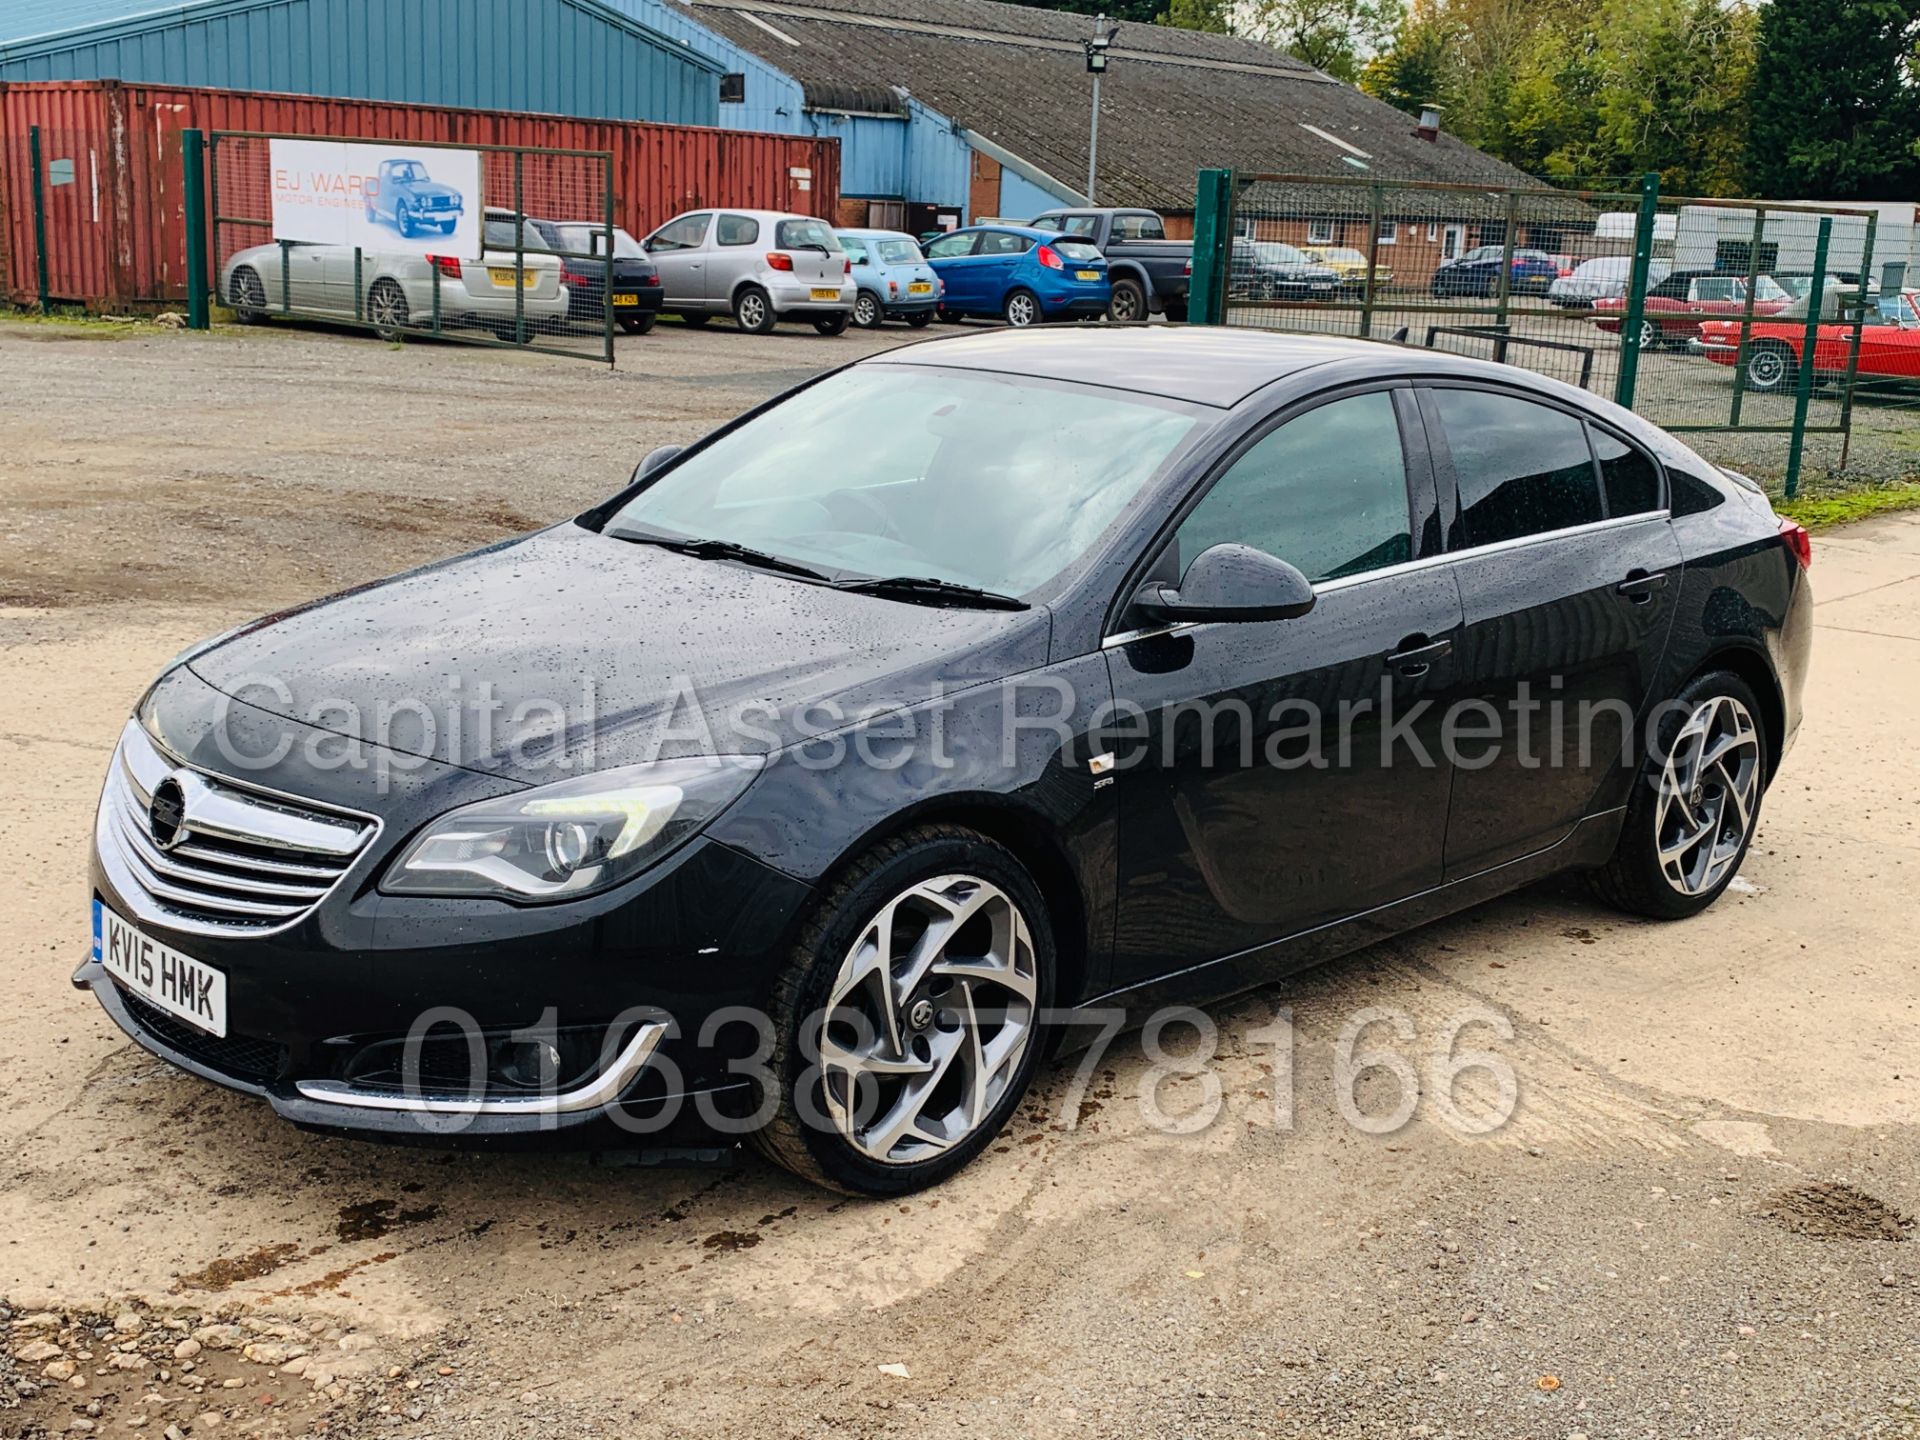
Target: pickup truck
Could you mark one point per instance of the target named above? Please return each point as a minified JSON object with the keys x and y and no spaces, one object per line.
{"x":1150,"y":273}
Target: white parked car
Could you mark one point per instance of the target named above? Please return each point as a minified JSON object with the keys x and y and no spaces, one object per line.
{"x":397,"y":291}
{"x":759,"y":266}
{"x":1602,"y":279}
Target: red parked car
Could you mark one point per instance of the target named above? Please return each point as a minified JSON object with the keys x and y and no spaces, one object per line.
{"x":1889,"y":342}
{"x":1676,"y":306}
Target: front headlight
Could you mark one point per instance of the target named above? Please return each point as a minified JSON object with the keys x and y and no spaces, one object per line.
{"x":559,"y":841}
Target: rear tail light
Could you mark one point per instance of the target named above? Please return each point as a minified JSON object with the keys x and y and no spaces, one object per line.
{"x":849,"y":268}
{"x":1050,"y":258}
{"x":1798,"y":541}
{"x":1187,"y":269}
{"x":779,"y":260}
{"x":893,"y":287}
{"x":447,"y":265}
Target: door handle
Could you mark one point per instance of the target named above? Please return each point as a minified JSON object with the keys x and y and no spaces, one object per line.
{"x":1640,"y":587}
{"x":1416,"y":655}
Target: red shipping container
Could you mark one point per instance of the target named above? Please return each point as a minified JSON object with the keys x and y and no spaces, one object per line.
{"x":116,"y":227}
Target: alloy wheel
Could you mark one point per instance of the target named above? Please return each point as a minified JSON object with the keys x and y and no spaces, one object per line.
{"x":1709,"y":794}
{"x":1766,"y":368}
{"x":387,"y":308}
{"x":1649,"y":335}
{"x":1126,"y":304}
{"x":928,"y":1019}
{"x":866,"y":313}
{"x":249,"y":295}
{"x":753,"y":311}
{"x":1021,"y":310}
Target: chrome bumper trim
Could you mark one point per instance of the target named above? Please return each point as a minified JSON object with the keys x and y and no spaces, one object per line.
{"x":604,"y":1089}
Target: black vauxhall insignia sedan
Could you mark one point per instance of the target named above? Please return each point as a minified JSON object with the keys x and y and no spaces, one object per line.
{"x":807,"y":787}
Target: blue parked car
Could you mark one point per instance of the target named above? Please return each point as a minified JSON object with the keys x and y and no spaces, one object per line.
{"x":895,"y":282}
{"x":1018,"y":274}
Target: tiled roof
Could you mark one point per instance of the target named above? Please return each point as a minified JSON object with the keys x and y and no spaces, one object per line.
{"x":1172,"y":102}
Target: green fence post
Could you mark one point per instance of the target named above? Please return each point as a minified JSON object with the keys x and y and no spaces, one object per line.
{"x":1803,"y":392}
{"x":1212,"y":246}
{"x":1376,"y":212}
{"x":1637,"y":290}
{"x":193,"y":196}
{"x":1853,"y":347}
{"x":39,"y":219}
{"x":1746,"y":311}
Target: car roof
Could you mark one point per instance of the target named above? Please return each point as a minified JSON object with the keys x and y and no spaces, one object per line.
{"x":1209,"y":364}
{"x":860,"y":234}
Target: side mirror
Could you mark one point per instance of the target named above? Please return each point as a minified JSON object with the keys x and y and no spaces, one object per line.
{"x":1228,"y":583}
{"x":655,"y":459}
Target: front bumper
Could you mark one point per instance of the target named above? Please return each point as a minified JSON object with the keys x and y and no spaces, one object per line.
{"x":320,"y":1008}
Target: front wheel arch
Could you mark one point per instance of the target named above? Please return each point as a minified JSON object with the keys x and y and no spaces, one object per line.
{"x":1032,"y":841}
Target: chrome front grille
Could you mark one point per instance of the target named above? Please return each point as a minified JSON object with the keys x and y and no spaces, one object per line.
{"x":244,"y":860}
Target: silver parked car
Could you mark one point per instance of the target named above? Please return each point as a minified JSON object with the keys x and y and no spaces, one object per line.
{"x":397,"y":291}
{"x":1602,"y":279}
{"x":760,"y":266}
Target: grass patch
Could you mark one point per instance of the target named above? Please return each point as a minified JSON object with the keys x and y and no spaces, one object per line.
{"x":1843,"y":507}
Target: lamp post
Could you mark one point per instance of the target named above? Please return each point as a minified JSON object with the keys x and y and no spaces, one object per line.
{"x":1096,"y":48}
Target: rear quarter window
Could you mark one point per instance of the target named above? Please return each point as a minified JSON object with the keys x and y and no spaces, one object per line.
{"x":1628,"y":476}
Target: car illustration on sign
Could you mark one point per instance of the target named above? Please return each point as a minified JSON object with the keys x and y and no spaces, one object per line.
{"x":409,"y":199}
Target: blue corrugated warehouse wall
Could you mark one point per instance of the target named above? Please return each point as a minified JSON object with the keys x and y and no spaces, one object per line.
{"x":568,"y":57}
{"x":1021,"y":199}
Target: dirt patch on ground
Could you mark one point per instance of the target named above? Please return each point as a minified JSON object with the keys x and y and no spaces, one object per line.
{"x":1829,"y":1210}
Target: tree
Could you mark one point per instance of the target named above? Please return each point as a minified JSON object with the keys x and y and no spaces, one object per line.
{"x":1833,"y":103}
{"x":1337,"y":36}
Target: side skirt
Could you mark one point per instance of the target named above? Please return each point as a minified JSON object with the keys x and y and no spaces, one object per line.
{"x":1587,"y":845}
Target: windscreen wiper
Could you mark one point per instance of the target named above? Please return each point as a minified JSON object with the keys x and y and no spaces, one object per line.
{"x":930,"y":592}
{"x":724,"y":550}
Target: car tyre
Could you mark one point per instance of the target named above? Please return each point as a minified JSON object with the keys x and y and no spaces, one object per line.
{"x":694,"y":319}
{"x":834,"y":324}
{"x":1695,"y":803}
{"x":248,"y":296}
{"x":753,"y":311}
{"x":1128,"y":304}
{"x":1022,"y":309}
{"x":387,"y":309}
{"x":1769,"y":364}
{"x":638,"y":324}
{"x":920,"y":319}
{"x":867,"y":312}
{"x":824,"y":1008}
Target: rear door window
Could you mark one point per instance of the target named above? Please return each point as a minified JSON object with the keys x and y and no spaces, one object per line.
{"x":736,"y":230}
{"x":1628,"y":476}
{"x":1005,"y":242}
{"x":1141,"y":226}
{"x":1522,"y":468}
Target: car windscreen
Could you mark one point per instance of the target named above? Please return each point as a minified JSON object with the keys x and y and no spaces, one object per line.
{"x":498,"y":234}
{"x":805,"y":235}
{"x":898,"y":252}
{"x":1272,"y":252}
{"x":1076,"y":249}
{"x":997,"y":481}
{"x":1345,"y":255}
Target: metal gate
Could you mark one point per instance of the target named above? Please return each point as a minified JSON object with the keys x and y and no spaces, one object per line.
{"x":1629,"y":294}
{"x":535,"y":273}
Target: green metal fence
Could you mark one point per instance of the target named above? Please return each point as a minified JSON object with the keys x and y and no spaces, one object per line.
{"x":1710,"y":317}
{"x":538,"y":274}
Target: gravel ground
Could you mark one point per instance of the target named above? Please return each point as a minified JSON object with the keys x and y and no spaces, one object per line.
{"x":1696,"y":1222}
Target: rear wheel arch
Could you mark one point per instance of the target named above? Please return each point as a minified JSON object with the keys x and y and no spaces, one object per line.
{"x":1753,"y":667}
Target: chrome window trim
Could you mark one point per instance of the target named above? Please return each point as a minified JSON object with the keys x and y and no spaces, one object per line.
{"x":1425,"y":562}
{"x":603,"y":1090}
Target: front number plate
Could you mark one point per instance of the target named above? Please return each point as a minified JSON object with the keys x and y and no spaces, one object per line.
{"x":160,"y":975}
{"x":820,"y":293}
